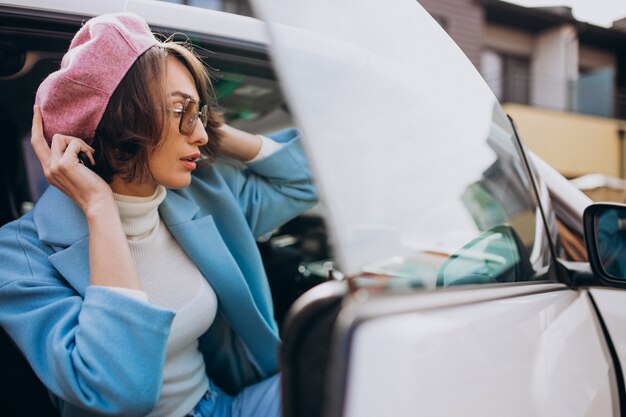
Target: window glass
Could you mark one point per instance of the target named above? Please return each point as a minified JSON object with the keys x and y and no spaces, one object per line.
{"x":480,"y":221}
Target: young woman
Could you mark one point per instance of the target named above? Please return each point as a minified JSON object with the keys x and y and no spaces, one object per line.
{"x":135,"y":288}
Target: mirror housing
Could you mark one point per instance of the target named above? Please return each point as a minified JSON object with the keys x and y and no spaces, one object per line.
{"x":605,"y":238}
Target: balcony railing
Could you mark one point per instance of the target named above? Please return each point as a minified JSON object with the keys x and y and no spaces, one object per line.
{"x":588,"y":95}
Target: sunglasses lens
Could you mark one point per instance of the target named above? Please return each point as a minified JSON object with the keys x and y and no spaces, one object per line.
{"x":190,"y":115}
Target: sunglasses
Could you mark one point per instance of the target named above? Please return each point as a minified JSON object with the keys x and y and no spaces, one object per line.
{"x":189,"y":114}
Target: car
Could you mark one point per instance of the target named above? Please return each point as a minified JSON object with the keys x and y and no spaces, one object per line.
{"x":432,"y":279}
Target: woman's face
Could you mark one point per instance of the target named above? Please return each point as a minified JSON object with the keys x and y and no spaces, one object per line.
{"x":173,"y":160}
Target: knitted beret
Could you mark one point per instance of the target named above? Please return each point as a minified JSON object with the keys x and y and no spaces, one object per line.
{"x":73,"y":99}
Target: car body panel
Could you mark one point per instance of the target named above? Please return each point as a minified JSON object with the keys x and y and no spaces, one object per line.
{"x":503,"y":356}
{"x":185,"y":18}
{"x":611,"y":303}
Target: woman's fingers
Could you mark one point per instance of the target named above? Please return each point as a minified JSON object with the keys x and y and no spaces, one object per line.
{"x":37,"y":140}
{"x":60,"y":158}
{"x":62,"y":168}
{"x":74,"y":146}
{"x":50,"y":156}
{"x":61,"y":142}
{"x":64,"y":152}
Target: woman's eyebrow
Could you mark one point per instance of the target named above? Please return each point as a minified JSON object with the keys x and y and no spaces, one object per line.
{"x":183,"y":95}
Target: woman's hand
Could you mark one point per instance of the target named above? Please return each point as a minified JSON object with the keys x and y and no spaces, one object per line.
{"x":110,"y":261}
{"x":238,"y":144}
{"x":63,"y":169}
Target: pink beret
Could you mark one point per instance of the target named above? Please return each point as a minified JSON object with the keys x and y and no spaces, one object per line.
{"x":73,"y":99}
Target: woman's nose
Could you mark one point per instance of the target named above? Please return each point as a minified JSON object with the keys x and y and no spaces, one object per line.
{"x":199,"y":134}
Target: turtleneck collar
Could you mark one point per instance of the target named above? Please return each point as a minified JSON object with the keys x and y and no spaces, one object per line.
{"x":139,"y":215}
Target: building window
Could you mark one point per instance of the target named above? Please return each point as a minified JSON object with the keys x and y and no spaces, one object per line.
{"x":593,"y":92}
{"x":507,"y":75}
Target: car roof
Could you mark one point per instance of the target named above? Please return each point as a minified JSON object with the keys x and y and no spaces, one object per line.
{"x":186,"y":19}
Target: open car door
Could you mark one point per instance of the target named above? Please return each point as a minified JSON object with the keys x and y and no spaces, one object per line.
{"x":453,"y":305}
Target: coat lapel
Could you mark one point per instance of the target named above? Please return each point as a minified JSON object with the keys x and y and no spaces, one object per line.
{"x":201,"y":240}
{"x":59,"y":221}
{"x":73,"y":264}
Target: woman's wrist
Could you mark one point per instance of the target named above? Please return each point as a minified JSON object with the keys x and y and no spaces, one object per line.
{"x":100,"y":207}
{"x":238,"y":144}
{"x":110,"y":260}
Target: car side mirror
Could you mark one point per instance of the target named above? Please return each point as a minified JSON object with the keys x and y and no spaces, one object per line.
{"x":605,"y":238}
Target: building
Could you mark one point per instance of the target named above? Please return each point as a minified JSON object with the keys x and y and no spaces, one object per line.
{"x":563,"y":81}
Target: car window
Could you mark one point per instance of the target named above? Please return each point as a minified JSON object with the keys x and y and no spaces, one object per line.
{"x":479,"y":221}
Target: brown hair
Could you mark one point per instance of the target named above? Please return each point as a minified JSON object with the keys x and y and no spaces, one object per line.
{"x":134,"y":122}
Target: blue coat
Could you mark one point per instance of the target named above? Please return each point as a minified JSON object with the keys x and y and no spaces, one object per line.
{"x":99,"y":352}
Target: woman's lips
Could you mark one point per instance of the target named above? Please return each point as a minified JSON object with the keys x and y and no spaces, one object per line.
{"x":189,"y":161}
{"x":188,"y":164}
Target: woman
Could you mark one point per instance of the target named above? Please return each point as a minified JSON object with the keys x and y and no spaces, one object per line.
{"x":136,"y":288}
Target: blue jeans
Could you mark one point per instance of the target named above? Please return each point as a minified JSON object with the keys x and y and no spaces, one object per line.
{"x":258,"y":400}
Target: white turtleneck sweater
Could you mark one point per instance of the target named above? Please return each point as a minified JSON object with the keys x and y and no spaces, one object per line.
{"x":171,"y":280}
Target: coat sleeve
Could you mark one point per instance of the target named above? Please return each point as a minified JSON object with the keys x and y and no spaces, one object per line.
{"x":103,"y":353}
{"x":275,"y":189}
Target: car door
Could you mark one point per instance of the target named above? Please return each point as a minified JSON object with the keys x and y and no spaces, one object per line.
{"x":454,"y":304}
{"x":609,"y":296}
